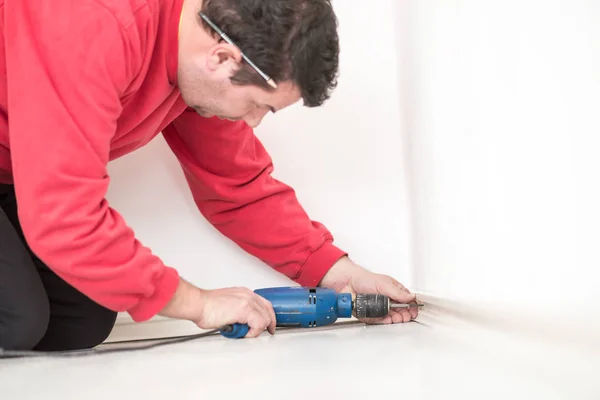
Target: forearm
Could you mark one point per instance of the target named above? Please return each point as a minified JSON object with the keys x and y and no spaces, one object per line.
{"x":185,"y":303}
{"x":229,"y":173}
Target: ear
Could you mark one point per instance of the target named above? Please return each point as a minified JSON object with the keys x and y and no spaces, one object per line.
{"x":225,"y":57}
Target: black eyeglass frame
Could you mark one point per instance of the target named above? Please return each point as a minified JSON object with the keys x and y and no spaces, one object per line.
{"x":266,"y":77}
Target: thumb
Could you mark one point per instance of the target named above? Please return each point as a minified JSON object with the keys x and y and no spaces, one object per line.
{"x":396,"y":291}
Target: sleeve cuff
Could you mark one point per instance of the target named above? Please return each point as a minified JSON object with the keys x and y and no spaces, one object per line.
{"x":165,"y":286}
{"x":318,"y":264}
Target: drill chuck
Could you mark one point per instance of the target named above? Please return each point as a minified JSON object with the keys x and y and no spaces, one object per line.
{"x":371,"y":305}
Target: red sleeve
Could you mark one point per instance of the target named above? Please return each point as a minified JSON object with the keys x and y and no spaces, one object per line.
{"x":229,"y":173}
{"x":66,"y":70}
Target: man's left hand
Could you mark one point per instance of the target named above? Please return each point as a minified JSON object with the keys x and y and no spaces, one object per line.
{"x":348,"y":277}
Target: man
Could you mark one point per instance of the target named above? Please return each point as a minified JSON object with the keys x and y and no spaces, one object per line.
{"x":87,"y":81}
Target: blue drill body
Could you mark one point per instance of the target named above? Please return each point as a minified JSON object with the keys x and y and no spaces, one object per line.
{"x":300,"y":307}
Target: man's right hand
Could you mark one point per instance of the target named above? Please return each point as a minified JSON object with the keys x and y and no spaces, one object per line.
{"x":212,"y":309}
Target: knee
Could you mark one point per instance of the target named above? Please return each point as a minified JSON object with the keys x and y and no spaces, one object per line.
{"x":97,"y":330}
{"x":23,"y":327}
{"x":85,"y":333}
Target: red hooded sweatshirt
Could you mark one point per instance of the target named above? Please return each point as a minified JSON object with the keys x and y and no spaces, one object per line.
{"x":86,"y":81}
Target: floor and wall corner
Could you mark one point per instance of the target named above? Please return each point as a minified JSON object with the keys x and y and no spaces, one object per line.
{"x":468,"y":174}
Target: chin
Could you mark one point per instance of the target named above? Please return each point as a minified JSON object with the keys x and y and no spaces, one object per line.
{"x":229,"y":119}
{"x":202,"y":112}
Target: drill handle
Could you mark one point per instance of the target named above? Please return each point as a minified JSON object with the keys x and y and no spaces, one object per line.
{"x":235,"y":331}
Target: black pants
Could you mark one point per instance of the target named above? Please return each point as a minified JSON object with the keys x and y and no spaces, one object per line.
{"x":38,"y":310}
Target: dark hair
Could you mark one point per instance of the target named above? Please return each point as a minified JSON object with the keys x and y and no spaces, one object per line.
{"x":289,"y":40}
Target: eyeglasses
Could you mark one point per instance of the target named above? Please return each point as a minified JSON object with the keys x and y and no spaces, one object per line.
{"x":266,"y":77}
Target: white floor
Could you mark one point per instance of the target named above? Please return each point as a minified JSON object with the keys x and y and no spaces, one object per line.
{"x":438,"y":357}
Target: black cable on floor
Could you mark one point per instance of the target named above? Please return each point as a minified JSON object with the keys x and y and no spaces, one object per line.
{"x":159,"y":343}
{"x":100,"y":350}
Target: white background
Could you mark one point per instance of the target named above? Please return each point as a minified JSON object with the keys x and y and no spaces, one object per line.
{"x":458,"y":154}
{"x":501,"y":101}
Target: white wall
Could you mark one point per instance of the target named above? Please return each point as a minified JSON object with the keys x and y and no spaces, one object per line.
{"x":345,"y":161}
{"x":501,"y":102}
{"x":458,"y":154}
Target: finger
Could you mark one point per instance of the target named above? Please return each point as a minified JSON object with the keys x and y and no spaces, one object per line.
{"x":405,"y":315}
{"x":400,"y":316}
{"x":396,"y":317}
{"x":254,"y":333}
{"x":377,"y":321}
{"x":271,"y":312}
{"x":256,"y":323}
{"x":266,"y":319}
{"x":413,"y":311}
{"x":400,"y":286}
{"x":257,"y":317}
{"x":395,"y":291}
{"x":402,"y":295}
{"x":258,"y":314}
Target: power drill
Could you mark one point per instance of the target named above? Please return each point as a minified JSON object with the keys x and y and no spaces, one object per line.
{"x":309,"y":307}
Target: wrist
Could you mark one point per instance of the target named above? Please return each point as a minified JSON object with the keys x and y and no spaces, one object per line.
{"x":318,"y":264}
{"x":186,"y":303}
{"x":340,"y":274}
{"x":165,"y":287}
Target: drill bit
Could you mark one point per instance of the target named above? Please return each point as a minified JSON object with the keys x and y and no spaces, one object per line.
{"x":404,"y":305}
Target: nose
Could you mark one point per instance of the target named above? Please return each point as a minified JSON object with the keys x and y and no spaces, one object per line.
{"x":253,"y":119}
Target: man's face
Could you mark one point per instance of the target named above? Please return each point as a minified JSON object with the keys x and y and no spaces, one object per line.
{"x":205,"y":67}
{"x":248,"y":103}
{"x":205,"y":85}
